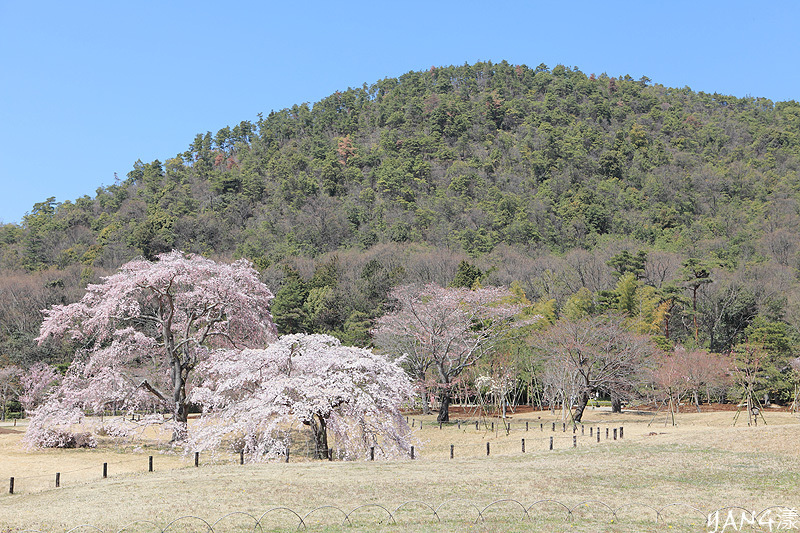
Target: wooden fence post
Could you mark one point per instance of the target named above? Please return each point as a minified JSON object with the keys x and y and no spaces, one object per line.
{"x":598,"y":434}
{"x":412,"y":452}
{"x":523,"y":445}
{"x":574,"y":441}
{"x":105,"y":470}
{"x":11,"y":486}
{"x":551,"y":443}
{"x":620,"y":432}
{"x":150,"y":464}
{"x":487,"y":448}
{"x":196,"y":458}
{"x":451,"y":450}
{"x":526,"y":426}
{"x":554,"y":426}
{"x":241,"y":457}
{"x":372,"y":453}
{"x":58,"y":479}
{"x":606,"y":433}
{"x":615,"y":433}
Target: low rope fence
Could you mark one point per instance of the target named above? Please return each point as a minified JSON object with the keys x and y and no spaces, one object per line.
{"x":452,"y":511}
{"x":537,"y":437}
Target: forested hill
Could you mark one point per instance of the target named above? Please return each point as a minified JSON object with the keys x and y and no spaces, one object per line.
{"x":552,"y":178}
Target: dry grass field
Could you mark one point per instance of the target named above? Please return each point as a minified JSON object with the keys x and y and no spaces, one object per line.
{"x":704,"y":462}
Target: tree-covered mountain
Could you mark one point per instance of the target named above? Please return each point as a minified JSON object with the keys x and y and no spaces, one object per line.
{"x":591,"y":192}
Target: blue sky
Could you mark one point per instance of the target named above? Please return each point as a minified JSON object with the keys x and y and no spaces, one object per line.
{"x":87,"y":88}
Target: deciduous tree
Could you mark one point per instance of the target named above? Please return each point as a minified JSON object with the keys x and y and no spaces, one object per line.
{"x":9,"y":386}
{"x":446,"y":329}
{"x":254,"y":398}
{"x":36,"y":384}
{"x":593,"y":354}
{"x":147,"y":327}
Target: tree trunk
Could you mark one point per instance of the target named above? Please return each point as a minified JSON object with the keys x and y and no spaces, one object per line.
{"x":444,"y":406}
{"x":180,"y":416}
{"x":583,"y":400}
{"x":616,"y":403}
{"x":426,"y":405}
{"x":319,"y":429}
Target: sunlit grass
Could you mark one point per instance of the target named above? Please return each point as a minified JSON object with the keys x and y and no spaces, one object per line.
{"x":704,"y":462}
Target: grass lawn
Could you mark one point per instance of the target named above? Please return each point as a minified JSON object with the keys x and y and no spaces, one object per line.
{"x":704,"y":463}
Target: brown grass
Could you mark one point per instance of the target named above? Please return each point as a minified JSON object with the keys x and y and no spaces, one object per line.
{"x":704,"y":462}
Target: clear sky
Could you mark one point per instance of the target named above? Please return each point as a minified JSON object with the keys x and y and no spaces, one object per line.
{"x":87,"y":88}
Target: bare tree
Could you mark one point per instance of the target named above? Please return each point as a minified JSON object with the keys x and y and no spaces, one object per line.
{"x":593,"y":354}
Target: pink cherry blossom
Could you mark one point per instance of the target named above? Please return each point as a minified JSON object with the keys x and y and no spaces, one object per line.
{"x":447,"y":329}
{"x":253,"y":399}
{"x":143,"y":331}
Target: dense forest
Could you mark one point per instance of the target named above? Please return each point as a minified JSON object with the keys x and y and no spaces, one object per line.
{"x":587,"y":192}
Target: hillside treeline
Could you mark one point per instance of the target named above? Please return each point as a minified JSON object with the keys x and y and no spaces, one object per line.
{"x":592,"y":193}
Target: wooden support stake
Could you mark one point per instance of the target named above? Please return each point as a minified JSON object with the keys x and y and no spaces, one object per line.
{"x":523,"y":445}
{"x":551,"y":443}
{"x":554,"y":426}
{"x":150,"y":464}
{"x":598,"y":434}
{"x":591,"y":431}
{"x":574,"y":441}
{"x":606,"y":433}
{"x":563,"y":427}
{"x":620,"y":432}
{"x":287,"y":454}
{"x":105,"y":470}
{"x":58,"y":479}
{"x":11,"y":486}
{"x":451,"y":450}
{"x":241,"y":457}
{"x":412,"y":452}
{"x":196,"y":458}
{"x":372,"y":453}
{"x":615,"y":433}
{"x":582,"y":430}
{"x":526,"y":426}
